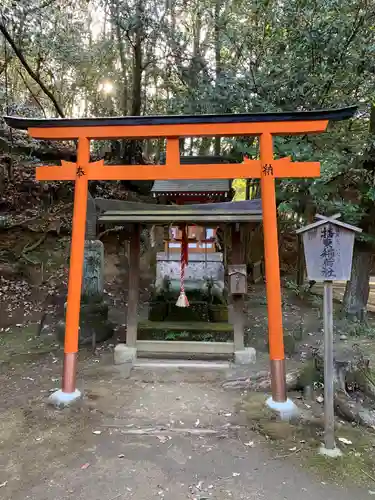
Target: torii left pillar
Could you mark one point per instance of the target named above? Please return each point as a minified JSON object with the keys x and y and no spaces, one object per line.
{"x":69,"y":392}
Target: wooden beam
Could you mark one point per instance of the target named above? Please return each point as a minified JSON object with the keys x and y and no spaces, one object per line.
{"x":173,"y":152}
{"x":238,"y":300}
{"x":283,"y":167}
{"x":133,"y":287}
{"x":202,"y":219}
{"x":99,"y":171}
{"x":181,"y":130}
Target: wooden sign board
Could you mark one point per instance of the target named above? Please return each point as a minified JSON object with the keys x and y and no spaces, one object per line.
{"x":328,"y":253}
{"x":328,"y":246}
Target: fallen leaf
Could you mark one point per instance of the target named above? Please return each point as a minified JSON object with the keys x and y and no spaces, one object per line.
{"x":199,"y":485}
{"x":162,"y":439}
{"x":344,"y":440}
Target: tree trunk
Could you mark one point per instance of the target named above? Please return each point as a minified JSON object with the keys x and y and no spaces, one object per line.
{"x":300,"y":278}
{"x":358,"y":288}
{"x":137,"y":61}
{"x":30,"y":71}
{"x":217,"y":30}
{"x":123,"y":62}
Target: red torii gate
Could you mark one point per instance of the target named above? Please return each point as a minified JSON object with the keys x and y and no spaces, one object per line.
{"x":264,"y":125}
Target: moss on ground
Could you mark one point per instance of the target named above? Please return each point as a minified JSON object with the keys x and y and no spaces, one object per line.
{"x":299,"y":440}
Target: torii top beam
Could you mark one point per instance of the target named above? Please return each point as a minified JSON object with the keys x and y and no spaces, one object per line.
{"x":173,"y":128}
{"x":298,"y":122}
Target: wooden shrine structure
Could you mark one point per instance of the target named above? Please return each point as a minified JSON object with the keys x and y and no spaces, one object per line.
{"x":172,"y":128}
{"x":235,"y":217}
{"x":205,"y":258}
{"x":187,"y":192}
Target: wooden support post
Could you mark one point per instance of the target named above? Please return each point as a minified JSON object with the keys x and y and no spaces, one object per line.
{"x":271,"y":256}
{"x":329,"y":414}
{"x":133,"y":293}
{"x":76,"y":268}
{"x":237,"y":300}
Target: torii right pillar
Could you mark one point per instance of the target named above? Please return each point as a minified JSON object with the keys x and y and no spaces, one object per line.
{"x":269,"y":170}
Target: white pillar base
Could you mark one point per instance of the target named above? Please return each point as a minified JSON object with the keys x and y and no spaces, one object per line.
{"x":286,"y":409}
{"x":247,"y":356}
{"x":334,"y":453}
{"x":124,"y":354}
{"x":61,"y":399}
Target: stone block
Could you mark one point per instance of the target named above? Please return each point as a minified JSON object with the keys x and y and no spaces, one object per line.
{"x":257,"y":272}
{"x":158,"y":311}
{"x":286,"y":410}
{"x":124,"y":354}
{"x":218,"y":313}
{"x":93,"y":269}
{"x":200,"y":266}
{"x":245,"y":357}
{"x":93,"y":321}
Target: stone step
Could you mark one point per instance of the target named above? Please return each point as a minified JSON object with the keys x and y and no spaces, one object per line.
{"x":183,"y":364}
{"x":182,"y":370}
{"x":181,"y":326}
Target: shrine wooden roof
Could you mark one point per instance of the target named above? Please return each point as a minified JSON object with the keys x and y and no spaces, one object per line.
{"x":131,"y":212}
{"x":204,"y":186}
{"x":191,"y":186}
{"x":325,"y":114}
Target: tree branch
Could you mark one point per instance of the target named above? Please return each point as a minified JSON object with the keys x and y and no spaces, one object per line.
{"x":357,"y":24}
{"x":43,"y":5}
{"x":31,"y":92}
{"x":30,"y":71}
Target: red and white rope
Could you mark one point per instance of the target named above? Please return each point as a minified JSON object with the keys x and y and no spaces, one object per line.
{"x":182,"y":300}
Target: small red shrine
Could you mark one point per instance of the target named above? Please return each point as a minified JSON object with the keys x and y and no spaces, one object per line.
{"x":187,"y":192}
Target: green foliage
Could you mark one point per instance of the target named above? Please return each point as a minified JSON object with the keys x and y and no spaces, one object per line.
{"x":299,"y":291}
{"x":215,"y":56}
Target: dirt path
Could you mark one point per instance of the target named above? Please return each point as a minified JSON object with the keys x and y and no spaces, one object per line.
{"x":167,"y":441}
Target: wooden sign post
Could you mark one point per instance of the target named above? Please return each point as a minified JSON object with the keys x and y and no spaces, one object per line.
{"x":328,"y":245}
{"x":172,"y":128}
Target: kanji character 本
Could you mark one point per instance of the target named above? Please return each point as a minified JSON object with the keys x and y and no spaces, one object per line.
{"x":80,"y":172}
{"x":267,"y":169}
